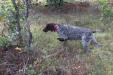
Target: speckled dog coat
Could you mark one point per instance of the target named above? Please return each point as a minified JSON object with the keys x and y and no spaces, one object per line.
{"x":68,"y":32}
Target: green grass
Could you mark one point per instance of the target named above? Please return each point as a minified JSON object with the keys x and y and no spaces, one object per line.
{"x":98,"y":62}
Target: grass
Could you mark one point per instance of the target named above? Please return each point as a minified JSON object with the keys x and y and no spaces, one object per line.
{"x":98,"y":62}
{"x":50,"y":55}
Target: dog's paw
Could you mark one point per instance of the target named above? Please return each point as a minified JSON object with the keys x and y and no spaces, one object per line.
{"x":98,"y":46}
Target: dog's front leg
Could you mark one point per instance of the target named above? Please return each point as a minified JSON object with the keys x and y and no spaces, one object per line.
{"x":62,"y":39}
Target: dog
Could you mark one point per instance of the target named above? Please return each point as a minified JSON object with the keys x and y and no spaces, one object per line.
{"x":68,"y":32}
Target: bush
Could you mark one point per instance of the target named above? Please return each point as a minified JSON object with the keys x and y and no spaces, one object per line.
{"x":4,"y":42}
{"x":55,"y":2}
{"x":106,"y":9}
{"x":30,"y":70}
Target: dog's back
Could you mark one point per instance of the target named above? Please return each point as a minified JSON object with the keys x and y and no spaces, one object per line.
{"x":74,"y":32}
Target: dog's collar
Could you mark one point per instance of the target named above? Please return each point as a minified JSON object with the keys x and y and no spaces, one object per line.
{"x":56,"y":27}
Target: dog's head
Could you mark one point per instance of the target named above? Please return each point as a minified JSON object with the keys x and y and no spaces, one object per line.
{"x":51,"y":27}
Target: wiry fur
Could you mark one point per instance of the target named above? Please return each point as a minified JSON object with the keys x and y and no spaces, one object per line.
{"x":68,"y":32}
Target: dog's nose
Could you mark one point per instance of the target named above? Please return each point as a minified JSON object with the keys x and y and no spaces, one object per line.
{"x":44,"y":30}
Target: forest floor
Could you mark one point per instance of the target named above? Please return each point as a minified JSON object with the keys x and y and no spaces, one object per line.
{"x":51,"y":57}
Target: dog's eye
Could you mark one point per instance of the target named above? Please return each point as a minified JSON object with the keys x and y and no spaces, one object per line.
{"x":44,"y":30}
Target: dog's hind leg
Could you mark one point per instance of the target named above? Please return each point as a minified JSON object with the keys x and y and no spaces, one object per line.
{"x":85,"y":42}
{"x":94,"y":41}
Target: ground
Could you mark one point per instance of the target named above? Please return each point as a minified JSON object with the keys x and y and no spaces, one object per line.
{"x":51,"y":57}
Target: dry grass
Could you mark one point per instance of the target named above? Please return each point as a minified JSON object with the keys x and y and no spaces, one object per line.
{"x":51,"y":57}
{"x":71,"y":60}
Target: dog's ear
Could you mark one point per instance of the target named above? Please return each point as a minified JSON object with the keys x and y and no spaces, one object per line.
{"x":49,"y":27}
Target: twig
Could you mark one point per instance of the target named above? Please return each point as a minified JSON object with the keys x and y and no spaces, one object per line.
{"x":51,"y":55}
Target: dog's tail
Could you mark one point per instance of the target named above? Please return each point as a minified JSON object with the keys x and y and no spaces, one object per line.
{"x":97,"y":30}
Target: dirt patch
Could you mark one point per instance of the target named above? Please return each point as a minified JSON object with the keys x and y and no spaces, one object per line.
{"x":15,"y":61}
{"x":12,"y":60}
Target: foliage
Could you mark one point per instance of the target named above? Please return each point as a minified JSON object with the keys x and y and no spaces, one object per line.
{"x":55,"y":2}
{"x":99,"y":61}
{"x":6,"y":8}
{"x":9,"y":15}
{"x":106,"y":9}
{"x":30,"y":70}
{"x":4,"y":42}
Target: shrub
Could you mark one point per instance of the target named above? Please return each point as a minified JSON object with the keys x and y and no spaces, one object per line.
{"x":4,"y":42}
{"x":106,"y":9}
{"x":30,"y":70}
{"x":55,"y":2}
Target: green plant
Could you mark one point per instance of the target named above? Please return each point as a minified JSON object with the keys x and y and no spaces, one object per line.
{"x":44,"y":41}
{"x":106,"y":9}
{"x":55,"y":2}
{"x":30,"y":70}
{"x":4,"y":42}
{"x":7,"y":14}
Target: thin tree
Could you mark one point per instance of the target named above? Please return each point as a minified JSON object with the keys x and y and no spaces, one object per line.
{"x":27,"y":26}
{"x":17,"y":18}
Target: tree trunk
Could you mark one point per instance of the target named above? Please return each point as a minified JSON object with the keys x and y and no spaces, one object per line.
{"x":27,"y":27}
{"x":18,"y":27}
